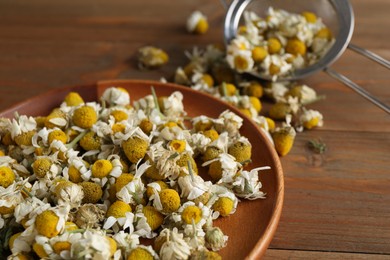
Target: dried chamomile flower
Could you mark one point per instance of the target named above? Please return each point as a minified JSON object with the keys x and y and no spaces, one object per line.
{"x":48,"y":223}
{"x":88,"y":216}
{"x":215,"y":239}
{"x":114,"y":96}
{"x":84,"y":117}
{"x":142,"y":252}
{"x":304,"y":93}
{"x":197,"y":23}
{"x":135,"y":148}
{"x":247,"y":185}
{"x":93,"y":244}
{"x":68,"y":193}
{"x":172,"y":245}
{"x":150,"y":57}
{"x":283,"y":138}
{"x":241,"y":149}
{"x":73,"y":99}
{"x":153,"y":217}
{"x":7,"y":176}
{"x":311,"y":118}
{"x":92,"y":192}
{"x":56,"y":118}
{"x":119,"y":216}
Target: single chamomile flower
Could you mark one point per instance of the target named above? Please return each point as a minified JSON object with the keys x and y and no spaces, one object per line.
{"x":247,"y":185}
{"x":197,"y":23}
{"x":114,"y":96}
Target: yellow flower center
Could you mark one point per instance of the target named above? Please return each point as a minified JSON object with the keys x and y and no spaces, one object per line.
{"x":46,"y":224}
{"x":56,"y":113}
{"x":73,"y":99}
{"x":224,"y":206}
{"x":101,"y":168}
{"x":255,"y":102}
{"x":39,"y":250}
{"x":208,"y":79}
{"x":123,"y":180}
{"x":296,"y":47}
{"x":212,"y":134}
{"x":92,"y":192}
{"x":7,"y":176}
{"x":60,"y":246}
{"x":25,"y":138}
{"x":170,"y":200}
{"x":119,"y":115}
{"x":274,"y":45}
{"x":90,"y":141}
{"x":84,"y":117}
{"x":135,"y":148}
{"x":202,"y":26}
{"x":140,"y":253}
{"x":146,"y":125}
{"x":241,"y":62}
{"x":191,"y":213}
{"x":153,"y":217}
{"x":178,"y":145}
{"x":57,"y":135}
{"x":259,"y":53}
{"x":118,"y":209}
{"x":41,"y":166}
{"x":310,"y":17}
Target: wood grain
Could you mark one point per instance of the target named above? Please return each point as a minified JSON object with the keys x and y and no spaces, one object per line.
{"x":295,"y":254}
{"x":336,"y":202}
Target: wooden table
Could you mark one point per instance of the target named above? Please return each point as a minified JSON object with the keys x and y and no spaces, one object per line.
{"x":337,"y":205}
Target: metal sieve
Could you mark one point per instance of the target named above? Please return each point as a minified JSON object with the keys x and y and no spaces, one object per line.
{"x":336,"y":14}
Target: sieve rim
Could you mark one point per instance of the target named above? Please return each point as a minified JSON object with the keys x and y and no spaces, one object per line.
{"x":346,"y":21}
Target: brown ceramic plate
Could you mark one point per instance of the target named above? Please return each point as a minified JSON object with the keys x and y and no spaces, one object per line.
{"x":252,"y":227}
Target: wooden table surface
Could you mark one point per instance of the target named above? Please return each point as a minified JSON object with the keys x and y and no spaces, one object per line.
{"x":337,"y":205}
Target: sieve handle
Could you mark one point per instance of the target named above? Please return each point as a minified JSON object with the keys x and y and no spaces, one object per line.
{"x":358,"y":89}
{"x":368,"y":54}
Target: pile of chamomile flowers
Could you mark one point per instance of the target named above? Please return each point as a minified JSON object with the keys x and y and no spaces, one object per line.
{"x":95,"y":180}
{"x":208,"y":71}
{"x":279,"y":43}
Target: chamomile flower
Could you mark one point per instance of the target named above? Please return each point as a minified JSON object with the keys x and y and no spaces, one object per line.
{"x":311,"y":118}
{"x":11,"y":197}
{"x":197,"y":23}
{"x":223,"y":202}
{"x":126,"y":241}
{"x":174,"y":245}
{"x":223,"y":168}
{"x":151,"y":57}
{"x":241,"y":61}
{"x":215,"y":239}
{"x":133,"y":192}
{"x":93,"y":244}
{"x":114,"y":96}
{"x":68,"y":193}
{"x":119,"y":217}
{"x":229,"y":122}
{"x":89,"y":216}
{"x":142,"y":252}
{"x":194,"y":214}
{"x":247,"y":185}
{"x":193,"y":187}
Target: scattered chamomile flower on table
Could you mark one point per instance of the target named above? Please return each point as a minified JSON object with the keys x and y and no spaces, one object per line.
{"x":150,"y":57}
{"x":197,"y":23}
{"x":76,"y":189}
